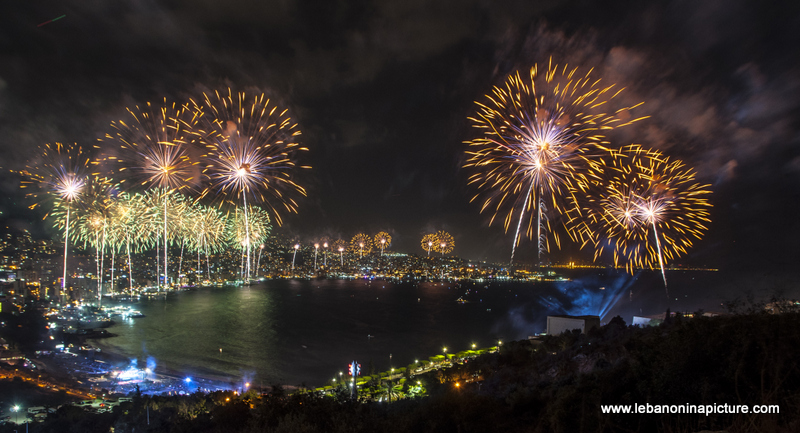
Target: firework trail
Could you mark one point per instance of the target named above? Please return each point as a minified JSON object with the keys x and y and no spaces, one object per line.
{"x":340,"y":246}
{"x":540,"y":135}
{"x":131,"y":221}
{"x":647,"y":209}
{"x":58,"y":173}
{"x":325,"y":246}
{"x":251,"y":151}
{"x":253,"y":230}
{"x":294,"y":255}
{"x":92,"y":219}
{"x":211,"y":234}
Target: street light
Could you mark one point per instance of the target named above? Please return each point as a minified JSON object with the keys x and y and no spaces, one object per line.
{"x":15,"y":409}
{"x":325,"y":254}
{"x":473,"y":346}
{"x":316,"y":249}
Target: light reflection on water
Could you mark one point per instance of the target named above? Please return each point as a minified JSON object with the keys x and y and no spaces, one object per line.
{"x":300,"y":331}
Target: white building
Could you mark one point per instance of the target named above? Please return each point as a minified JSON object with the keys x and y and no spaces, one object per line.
{"x":560,"y":324}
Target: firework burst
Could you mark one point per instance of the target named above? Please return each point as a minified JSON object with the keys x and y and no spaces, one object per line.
{"x":444,"y":243}
{"x":154,"y":147}
{"x":648,"y":209}
{"x":361,"y":244}
{"x":258,"y":230}
{"x":383,"y":240}
{"x":541,"y":136}
{"x":59,"y":173}
{"x":252,"y":148}
{"x":428,"y":242}
{"x":153,"y":151}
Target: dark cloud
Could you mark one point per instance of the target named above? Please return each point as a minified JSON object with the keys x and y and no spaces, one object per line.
{"x":382,"y":90}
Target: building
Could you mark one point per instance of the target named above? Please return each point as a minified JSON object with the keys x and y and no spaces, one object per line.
{"x":560,"y":324}
{"x":652,"y":320}
{"x":657,"y":319}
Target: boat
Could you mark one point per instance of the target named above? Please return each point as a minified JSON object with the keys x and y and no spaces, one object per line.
{"x":134,"y":314}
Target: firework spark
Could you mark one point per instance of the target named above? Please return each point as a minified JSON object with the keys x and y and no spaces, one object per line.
{"x":541,"y":135}
{"x":647,"y":209}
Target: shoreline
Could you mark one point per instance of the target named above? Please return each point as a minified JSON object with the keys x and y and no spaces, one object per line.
{"x":119,"y":360}
{"x":199,"y":375}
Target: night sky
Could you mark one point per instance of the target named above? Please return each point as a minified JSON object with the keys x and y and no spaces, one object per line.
{"x":382,"y":91}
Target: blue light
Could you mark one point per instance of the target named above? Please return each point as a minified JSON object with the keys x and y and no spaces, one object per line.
{"x":188,"y":379}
